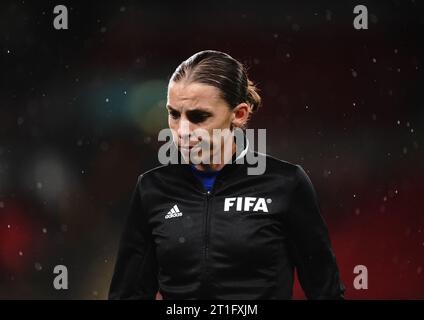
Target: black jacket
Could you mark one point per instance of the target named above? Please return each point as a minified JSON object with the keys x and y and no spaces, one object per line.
{"x":191,"y":244}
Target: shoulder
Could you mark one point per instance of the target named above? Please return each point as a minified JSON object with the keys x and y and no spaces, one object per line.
{"x":158,"y":173}
{"x":301,"y":186}
{"x":279,"y":166}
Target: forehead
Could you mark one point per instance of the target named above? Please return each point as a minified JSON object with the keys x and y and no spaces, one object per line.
{"x":193,"y":95}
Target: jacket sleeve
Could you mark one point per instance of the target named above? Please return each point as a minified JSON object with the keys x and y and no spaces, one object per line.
{"x":135,"y":274}
{"x":309,"y":243}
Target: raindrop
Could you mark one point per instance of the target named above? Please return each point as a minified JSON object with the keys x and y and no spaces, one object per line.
{"x":295,"y":27}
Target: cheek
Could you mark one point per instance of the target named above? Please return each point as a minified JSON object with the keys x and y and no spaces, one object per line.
{"x":227,"y":119}
{"x":172,"y":123}
{"x":222,"y":121}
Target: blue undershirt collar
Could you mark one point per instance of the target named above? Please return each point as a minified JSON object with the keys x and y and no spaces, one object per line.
{"x":206,"y":177}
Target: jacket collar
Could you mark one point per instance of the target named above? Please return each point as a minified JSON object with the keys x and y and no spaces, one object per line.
{"x":226,"y":170}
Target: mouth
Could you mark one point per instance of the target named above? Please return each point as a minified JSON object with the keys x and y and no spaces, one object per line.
{"x":185,"y":147}
{"x":188,"y":148}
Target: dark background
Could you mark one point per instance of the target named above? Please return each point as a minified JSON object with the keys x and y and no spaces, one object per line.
{"x":80,"y":110}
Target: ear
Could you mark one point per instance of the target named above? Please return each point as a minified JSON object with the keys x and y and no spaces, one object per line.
{"x":240,"y":115}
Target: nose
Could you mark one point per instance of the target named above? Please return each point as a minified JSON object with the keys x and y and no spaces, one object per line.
{"x":183,"y":129}
{"x":185,"y":133}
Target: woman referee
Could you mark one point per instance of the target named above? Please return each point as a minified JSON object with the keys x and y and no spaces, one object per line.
{"x":212,"y":230}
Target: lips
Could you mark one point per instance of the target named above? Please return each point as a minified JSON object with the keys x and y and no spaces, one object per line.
{"x":187,"y":147}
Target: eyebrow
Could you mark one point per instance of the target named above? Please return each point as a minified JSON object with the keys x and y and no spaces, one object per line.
{"x":170,"y":108}
{"x":190,"y":111}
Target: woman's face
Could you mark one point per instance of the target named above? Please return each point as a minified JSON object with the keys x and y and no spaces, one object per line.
{"x":194,"y":106}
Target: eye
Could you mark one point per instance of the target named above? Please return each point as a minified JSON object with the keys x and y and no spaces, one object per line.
{"x":197,"y":116}
{"x":174,"y":114}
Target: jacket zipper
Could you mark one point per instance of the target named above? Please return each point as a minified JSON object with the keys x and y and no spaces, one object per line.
{"x":208,"y":194}
{"x":205,"y":272}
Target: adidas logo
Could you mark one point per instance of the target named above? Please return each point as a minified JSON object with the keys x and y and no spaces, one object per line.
{"x":174,"y":212}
